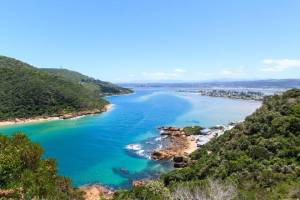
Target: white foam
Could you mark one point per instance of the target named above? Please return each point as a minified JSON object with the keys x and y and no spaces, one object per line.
{"x":134,"y":147}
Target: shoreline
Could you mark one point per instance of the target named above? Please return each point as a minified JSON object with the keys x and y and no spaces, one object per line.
{"x":54,"y":118}
{"x":178,"y":143}
{"x":182,"y":145}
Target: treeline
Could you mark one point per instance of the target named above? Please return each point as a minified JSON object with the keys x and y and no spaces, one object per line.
{"x":259,"y":159}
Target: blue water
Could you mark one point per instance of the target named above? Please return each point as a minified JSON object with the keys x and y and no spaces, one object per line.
{"x":91,"y":149}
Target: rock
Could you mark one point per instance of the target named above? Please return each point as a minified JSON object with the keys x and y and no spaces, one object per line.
{"x":180,"y":161}
{"x":94,"y":192}
{"x":161,"y":154}
{"x":121,"y":171}
{"x":180,"y":165}
{"x":138,"y":183}
{"x":177,"y":159}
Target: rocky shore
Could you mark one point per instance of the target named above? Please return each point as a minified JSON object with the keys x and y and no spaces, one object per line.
{"x":180,"y":143}
{"x":51,"y":118}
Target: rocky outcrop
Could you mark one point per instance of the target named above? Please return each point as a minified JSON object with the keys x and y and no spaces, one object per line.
{"x":180,"y":161}
{"x":138,"y":183}
{"x":171,"y":131}
{"x":94,"y":192}
{"x":162,"y":154}
{"x":178,"y":144}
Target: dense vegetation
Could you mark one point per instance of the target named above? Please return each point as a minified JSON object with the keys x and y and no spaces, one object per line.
{"x":100,"y":87}
{"x":24,"y":175}
{"x":26,"y":92}
{"x":192,"y":130}
{"x":260,"y":157}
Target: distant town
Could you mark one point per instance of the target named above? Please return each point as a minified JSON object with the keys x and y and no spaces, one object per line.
{"x":234,"y":94}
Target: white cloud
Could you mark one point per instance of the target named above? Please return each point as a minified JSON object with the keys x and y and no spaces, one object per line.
{"x":233,"y":72}
{"x":176,"y":73}
{"x":178,"y":70}
{"x":272,"y":65}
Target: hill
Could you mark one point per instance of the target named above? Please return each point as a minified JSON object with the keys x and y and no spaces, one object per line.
{"x":259,"y":157}
{"x":251,"y":84}
{"x":100,"y":87}
{"x":26,"y":92}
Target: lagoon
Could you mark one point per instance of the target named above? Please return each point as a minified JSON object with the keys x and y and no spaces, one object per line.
{"x":91,"y":149}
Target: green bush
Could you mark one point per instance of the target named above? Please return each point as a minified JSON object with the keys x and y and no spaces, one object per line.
{"x":26,"y":175}
{"x":153,"y":190}
{"x":192,"y":130}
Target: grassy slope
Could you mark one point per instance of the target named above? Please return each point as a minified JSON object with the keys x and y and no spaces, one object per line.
{"x":26,"y":91}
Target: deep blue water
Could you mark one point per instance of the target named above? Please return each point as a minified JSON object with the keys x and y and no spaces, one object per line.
{"x":91,"y":149}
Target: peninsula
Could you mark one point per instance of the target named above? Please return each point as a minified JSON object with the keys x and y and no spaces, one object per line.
{"x":29,"y":94}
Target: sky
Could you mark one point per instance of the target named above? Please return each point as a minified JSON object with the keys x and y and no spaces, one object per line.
{"x":156,"y":40}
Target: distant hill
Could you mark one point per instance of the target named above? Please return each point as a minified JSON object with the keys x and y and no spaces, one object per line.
{"x":262,"y":84}
{"x":26,"y":91}
{"x":100,"y":87}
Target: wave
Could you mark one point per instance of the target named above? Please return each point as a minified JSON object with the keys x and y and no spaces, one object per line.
{"x":134,"y":147}
{"x":145,"y":147}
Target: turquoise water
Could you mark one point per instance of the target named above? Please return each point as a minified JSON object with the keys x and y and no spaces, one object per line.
{"x":91,"y":149}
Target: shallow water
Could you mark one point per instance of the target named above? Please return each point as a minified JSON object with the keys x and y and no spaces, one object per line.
{"x":91,"y":149}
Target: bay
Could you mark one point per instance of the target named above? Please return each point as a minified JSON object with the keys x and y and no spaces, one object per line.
{"x":91,"y":149}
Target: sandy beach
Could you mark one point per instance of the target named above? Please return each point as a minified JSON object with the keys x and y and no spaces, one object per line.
{"x":52,"y":118}
{"x":191,"y":146}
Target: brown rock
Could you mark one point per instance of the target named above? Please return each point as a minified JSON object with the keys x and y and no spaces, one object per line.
{"x":94,"y":192}
{"x":138,"y":183}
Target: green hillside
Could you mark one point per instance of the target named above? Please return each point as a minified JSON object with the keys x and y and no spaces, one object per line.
{"x":259,"y":157}
{"x":26,"y":91}
{"x":97,"y":86}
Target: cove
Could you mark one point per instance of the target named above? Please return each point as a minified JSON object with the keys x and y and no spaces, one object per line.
{"x":91,"y":149}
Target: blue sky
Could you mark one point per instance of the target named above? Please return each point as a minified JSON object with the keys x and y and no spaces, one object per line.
{"x":155,"y":40}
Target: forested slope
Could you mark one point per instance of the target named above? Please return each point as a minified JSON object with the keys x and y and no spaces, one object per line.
{"x":100,"y":87}
{"x":26,"y":91}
